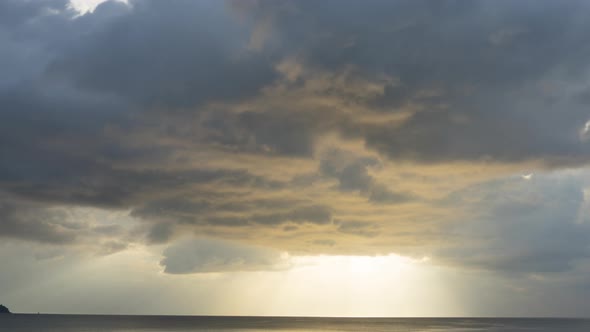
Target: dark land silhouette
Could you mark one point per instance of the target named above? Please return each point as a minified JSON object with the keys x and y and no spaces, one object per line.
{"x":4,"y":310}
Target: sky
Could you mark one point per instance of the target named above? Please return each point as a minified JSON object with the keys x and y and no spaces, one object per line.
{"x":318,"y":158}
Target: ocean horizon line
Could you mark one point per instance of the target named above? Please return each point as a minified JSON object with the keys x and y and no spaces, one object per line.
{"x":304,"y":316}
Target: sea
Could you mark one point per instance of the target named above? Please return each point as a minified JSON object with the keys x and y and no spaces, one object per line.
{"x":101,"y":323}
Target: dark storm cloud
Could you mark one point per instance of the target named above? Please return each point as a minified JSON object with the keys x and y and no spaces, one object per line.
{"x":276,"y":132}
{"x":582,"y":97}
{"x":98,"y":185}
{"x":51,"y":144}
{"x":205,"y":255}
{"x":476,"y":69}
{"x":15,"y":12}
{"x":353,"y":175}
{"x":53,"y":148}
{"x":163,"y":54}
{"x":498,"y":81}
{"x":45,"y":224}
{"x":226,"y":210}
{"x":175,"y":59}
{"x":68,"y":83}
{"x":31,"y":222}
{"x":351,"y":172}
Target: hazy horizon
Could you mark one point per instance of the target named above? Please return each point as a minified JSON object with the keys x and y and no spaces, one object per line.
{"x":333,"y":158}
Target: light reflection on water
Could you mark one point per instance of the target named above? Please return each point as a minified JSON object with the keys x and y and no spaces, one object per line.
{"x":82,"y":323}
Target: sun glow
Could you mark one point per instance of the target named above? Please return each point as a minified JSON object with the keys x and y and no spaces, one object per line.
{"x":360,"y":268}
{"x":361,"y":286}
{"x":85,"y":6}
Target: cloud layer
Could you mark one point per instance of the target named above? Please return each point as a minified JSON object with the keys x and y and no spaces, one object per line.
{"x":374,"y":128}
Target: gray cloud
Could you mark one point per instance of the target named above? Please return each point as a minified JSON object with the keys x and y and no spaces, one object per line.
{"x":57,"y":112}
{"x":31,"y":222}
{"x":360,"y":228}
{"x":277,"y":132}
{"x":353,"y":175}
{"x":312,"y":214}
{"x":381,"y":194}
{"x":472,"y":72}
{"x":195,"y":115}
{"x":521,"y":225}
{"x":160,"y":233}
{"x":351,"y":172}
{"x":197,"y":67}
{"x":235,"y":211}
{"x":64,"y":100}
{"x":58,"y":227}
{"x":323,"y":242}
{"x":502,"y":82}
{"x":14,"y":12}
{"x":100,"y":185}
{"x":177,"y":55}
{"x":205,"y":255}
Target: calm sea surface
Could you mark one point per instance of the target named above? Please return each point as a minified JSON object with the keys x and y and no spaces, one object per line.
{"x":71,"y":323}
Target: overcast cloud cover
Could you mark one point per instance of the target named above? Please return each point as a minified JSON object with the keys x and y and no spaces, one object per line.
{"x":233,"y":136}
